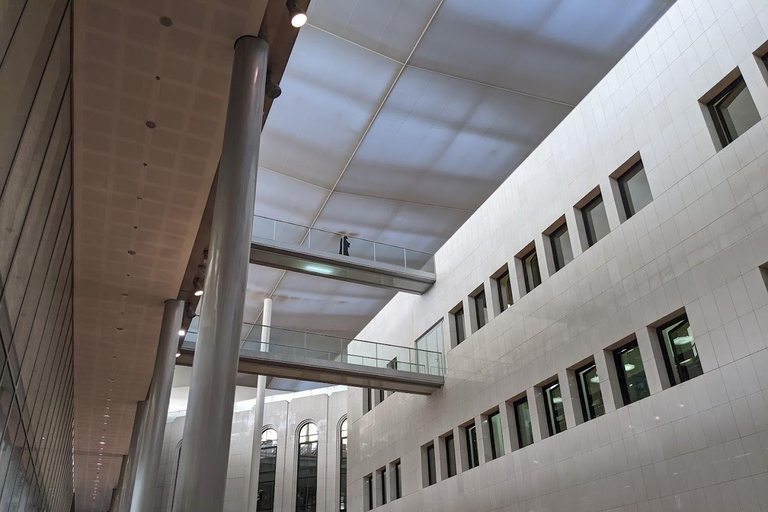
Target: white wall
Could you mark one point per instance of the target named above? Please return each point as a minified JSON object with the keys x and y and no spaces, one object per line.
{"x":285,"y":417}
{"x":698,"y":245}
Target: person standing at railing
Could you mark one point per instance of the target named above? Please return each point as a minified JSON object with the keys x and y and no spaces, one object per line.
{"x":344,"y":245}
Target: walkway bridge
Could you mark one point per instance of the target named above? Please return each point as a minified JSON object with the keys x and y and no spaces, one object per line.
{"x":319,"y":358}
{"x":318,"y":252}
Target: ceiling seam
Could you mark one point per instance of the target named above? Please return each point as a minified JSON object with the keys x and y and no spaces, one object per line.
{"x":362,"y":137}
{"x":370,"y":50}
{"x":428,"y":205}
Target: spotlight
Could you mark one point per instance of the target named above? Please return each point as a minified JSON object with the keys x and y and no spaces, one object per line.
{"x":178,"y":354}
{"x":272,"y":90}
{"x":198,"y":288}
{"x":182,"y":332}
{"x":298,"y":16}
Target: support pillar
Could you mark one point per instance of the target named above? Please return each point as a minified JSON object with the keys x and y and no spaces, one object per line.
{"x":258,"y":422}
{"x":150,"y":444}
{"x":128,"y":473}
{"x":207,"y":430}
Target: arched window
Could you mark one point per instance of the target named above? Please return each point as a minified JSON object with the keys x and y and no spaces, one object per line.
{"x":306,"y":469}
{"x":343,"y":467}
{"x":267,"y":471}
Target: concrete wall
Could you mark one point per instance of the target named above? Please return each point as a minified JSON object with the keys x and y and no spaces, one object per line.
{"x":700,"y":445}
{"x":286,"y":417}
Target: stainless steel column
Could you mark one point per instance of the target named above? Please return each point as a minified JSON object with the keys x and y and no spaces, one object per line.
{"x":150,"y":444}
{"x":208,"y":426}
{"x":128,"y":475}
{"x":258,"y":422}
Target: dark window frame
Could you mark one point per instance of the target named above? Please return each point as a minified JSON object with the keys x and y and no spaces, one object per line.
{"x":715,"y":110}
{"x":557,"y":257}
{"x":398,"y":480}
{"x":665,"y":351}
{"x":459,"y":325}
{"x":588,"y":220}
{"x":501,"y":290}
{"x":450,"y":455}
{"x":587,"y":409}
{"x":368,"y":480}
{"x":431,"y":462}
{"x":519,"y":423}
{"x":626,"y":198}
{"x":481,"y":310}
{"x":552,"y":426}
{"x":621,"y":372}
{"x":530,"y":255}
{"x":473,"y":455}
{"x":494,"y":449}
{"x":383,"y":479}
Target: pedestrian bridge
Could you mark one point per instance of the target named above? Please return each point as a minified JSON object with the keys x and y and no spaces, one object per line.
{"x":309,"y":250}
{"x":319,"y":358}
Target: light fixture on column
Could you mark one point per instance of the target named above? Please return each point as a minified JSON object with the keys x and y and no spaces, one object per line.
{"x":197,"y":286}
{"x":272,"y":90}
{"x":182,"y":332}
{"x":298,"y":16}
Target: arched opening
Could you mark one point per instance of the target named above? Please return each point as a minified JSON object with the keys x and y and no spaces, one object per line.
{"x":343,"y":466}
{"x":306,"y":469}
{"x":267,"y":471}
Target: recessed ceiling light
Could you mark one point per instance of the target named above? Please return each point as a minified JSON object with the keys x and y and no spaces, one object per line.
{"x":166,"y":21}
{"x":182,"y":332}
{"x":150,"y":124}
{"x":178,"y":354}
{"x":102,"y":442}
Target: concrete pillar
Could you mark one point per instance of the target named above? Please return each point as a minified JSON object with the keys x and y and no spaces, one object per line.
{"x":258,"y":422}
{"x":128,"y":476}
{"x":150,"y":444}
{"x":207,"y":430}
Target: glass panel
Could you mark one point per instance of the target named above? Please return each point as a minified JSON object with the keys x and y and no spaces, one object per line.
{"x":267,"y":471}
{"x":680,"y":354}
{"x":629,"y":367}
{"x":431,"y":474}
{"x":450,"y":455}
{"x":561,"y":247}
{"x":635,"y":191}
{"x":368,"y":482}
{"x":481,"y":309}
{"x":523,"y":422}
{"x":383,"y":486}
{"x":595,"y":220}
{"x":531,"y":271}
{"x":398,"y":481}
{"x":497,"y":438}
{"x":505,"y":291}
{"x":472,"y":455}
{"x":555,"y":410}
{"x":431,"y":341}
{"x":306,"y":481}
{"x":458,"y":320}
{"x":736,"y":111}
{"x":343,"y":467}
{"x":589,"y":391}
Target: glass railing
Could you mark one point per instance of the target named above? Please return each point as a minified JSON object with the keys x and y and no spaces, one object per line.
{"x":331,"y":348}
{"x":339,"y":244}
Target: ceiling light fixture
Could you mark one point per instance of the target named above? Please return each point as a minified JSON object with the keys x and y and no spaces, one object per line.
{"x":196,"y":285}
{"x":298,"y":16}
{"x":178,"y":354}
{"x":271,"y":89}
{"x":182,"y":332}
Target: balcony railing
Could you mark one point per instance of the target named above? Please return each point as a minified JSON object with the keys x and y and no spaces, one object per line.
{"x":334,"y":243}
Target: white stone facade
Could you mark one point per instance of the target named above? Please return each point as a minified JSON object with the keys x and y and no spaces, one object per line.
{"x":286,"y":417}
{"x":698,"y":247}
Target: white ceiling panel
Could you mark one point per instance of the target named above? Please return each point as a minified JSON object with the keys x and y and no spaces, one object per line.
{"x":550,"y":48}
{"x":447,"y":141}
{"x":389,"y":27}
{"x":261,"y":283}
{"x":284,"y":198}
{"x":414,"y":226}
{"x":331,"y":91}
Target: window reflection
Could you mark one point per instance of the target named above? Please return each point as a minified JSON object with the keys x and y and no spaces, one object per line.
{"x":267,"y":471}
{"x":631,"y":372}
{"x":306,"y":481}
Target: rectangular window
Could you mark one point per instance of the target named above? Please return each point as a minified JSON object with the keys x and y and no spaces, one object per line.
{"x":629,"y":367}
{"x":450,"y":456}
{"x":680,"y":355}
{"x":381,"y":394}
{"x":398,"y":481}
{"x":496,"y":435}
{"x":733,"y":111}
{"x":553,"y":404}
{"x":431,"y":473}
{"x":367,"y":400}
{"x":634,"y":188}
{"x":458,"y":323}
{"x":505,"y":290}
{"x":595,"y":220}
{"x":368,"y":484}
{"x":589,"y":392}
{"x":561,"y":247}
{"x":473,"y":460}
{"x":531,"y":273}
{"x":481,"y":309}
{"x":523,"y":423}
{"x":383,"y":485}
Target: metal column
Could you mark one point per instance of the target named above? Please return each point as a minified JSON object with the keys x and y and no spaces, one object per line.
{"x":128,"y":475}
{"x":150,"y":444}
{"x":208,"y":426}
{"x":258,"y":422}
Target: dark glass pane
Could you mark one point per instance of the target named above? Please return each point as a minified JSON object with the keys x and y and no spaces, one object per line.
{"x":680,"y":354}
{"x":267,"y":471}
{"x":595,"y":220}
{"x":306,"y":481}
{"x":553,"y":401}
{"x":458,"y":318}
{"x":589,"y":391}
{"x":734,"y":111}
{"x":368,"y":482}
{"x":629,"y":367}
{"x":450,"y":455}
{"x":531,"y":271}
{"x":343,"y":467}
{"x":561,"y":247}
{"x":505,"y":291}
{"x":523,"y":422}
{"x":383,"y":486}
{"x":481,"y":309}
{"x":497,"y":438}
{"x":398,"y":481}
{"x":472,"y":455}
{"x":431,"y":473}
{"x":635,"y":191}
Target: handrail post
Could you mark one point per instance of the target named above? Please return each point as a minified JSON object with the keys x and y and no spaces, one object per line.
{"x":374,"y":251}
{"x":309,"y":238}
{"x":274,"y":230}
{"x":405,"y":258}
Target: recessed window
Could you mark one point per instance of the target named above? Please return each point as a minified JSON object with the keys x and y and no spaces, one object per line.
{"x":553,"y":405}
{"x":450,"y":456}
{"x":523,"y":422}
{"x":473,"y":459}
{"x":367,"y":400}
{"x":634,"y":189}
{"x":733,"y":111}
{"x":342,"y":466}
{"x":680,"y":355}
{"x":589,"y":392}
{"x":368,"y":491}
{"x":531,"y":273}
{"x":398,"y":480}
{"x":481,"y":309}
{"x":496,"y":435}
{"x":382,"y":481}
{"x":631,"y":373}
{"x":458,"y":324}
{"x":504,"y":284}
{"x":431,"y":472}
{"x":306,"y":469}
{"x":595,"y":220}
{"x":562,"y":254}
{"x":267,"y":470}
